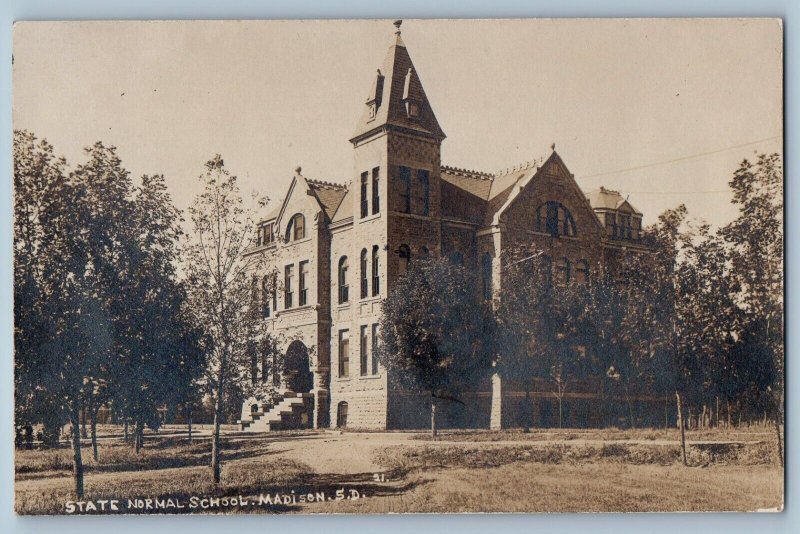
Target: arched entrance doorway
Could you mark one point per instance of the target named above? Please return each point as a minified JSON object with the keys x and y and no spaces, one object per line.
{"x":341,"y":415}
{"x":297,"y":368}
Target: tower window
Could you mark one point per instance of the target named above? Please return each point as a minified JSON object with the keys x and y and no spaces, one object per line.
{"x":344,"y":353}
{"x":375,"y":349}
{"x":405,"y":190}
{"x":425,"y":190}
{"x":405,"y":258}
{"x":364,"y":274}
{"x":376,"y":274}
{"x":362,"y":348}
{"x":376,"y":190}
{"x":364,"y":199}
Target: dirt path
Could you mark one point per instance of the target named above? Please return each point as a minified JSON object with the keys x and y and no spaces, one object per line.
{"x":341,"y":453}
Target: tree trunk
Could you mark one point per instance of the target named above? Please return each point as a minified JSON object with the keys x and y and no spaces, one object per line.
{"x":189,"y":421}
{"x":560,"y":412}
{"x":77,"y":461}
{"x":728,"y":413}
{"x":84,"y":434}
{"x":125,"y":430}
{"x":215,"y":452}
{"x":527,"y":423}
{"x":138,"y":437}
{"x":681,"y":425}
{"x":703,"y":417}
{"x":433,"y":417}
{"x":93,"y":427}
{"x":630,"y":405}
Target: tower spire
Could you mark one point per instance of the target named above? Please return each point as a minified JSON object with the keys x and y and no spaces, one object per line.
{"x":398,"y":39}
{"x":396,"y":98}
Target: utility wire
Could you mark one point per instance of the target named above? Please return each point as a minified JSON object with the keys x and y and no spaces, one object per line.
{"x":684,"y":158}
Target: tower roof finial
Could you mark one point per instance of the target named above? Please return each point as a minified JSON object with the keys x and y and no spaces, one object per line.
{"x":397,"y":25}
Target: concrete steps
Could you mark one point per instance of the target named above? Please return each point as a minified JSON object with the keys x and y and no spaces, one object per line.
{"x":281,"y":415}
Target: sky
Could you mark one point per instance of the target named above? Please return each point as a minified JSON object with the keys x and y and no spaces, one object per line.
{"x":663,"y":110}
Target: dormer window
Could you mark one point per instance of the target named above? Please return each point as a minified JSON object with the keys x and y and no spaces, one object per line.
{"x":375,"y":95}
{"x":265,"y":235}
{"x":410,"y":95}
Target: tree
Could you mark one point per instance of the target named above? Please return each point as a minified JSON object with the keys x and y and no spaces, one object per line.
{"x":540,"y":330}
{"x":220,"y":288}
{"x":435,"y":334}
{"x":756,"y":241}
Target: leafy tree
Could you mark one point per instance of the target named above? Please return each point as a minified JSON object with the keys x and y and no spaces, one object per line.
{"x":436,"y":336}
{"x":756,"y":241}
{"x":220,"y":288}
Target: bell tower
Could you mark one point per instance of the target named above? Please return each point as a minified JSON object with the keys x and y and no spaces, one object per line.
{"x":397,"y":145}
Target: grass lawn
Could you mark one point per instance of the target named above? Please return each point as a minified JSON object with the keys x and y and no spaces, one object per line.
{"x":505,"y":471}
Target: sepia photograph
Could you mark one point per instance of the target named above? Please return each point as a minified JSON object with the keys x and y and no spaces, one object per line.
{"x":398,"y":266}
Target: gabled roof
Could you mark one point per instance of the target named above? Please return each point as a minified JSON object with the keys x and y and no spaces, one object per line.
{"x":475,"y":183}
{"x":608,"y":199}
{"x":345,"y":209}
{"x":395,"y":84}
{"x":329,"y":195}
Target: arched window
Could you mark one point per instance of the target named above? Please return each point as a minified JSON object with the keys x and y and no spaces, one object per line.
{"x":563,"y":272}
{"x":341,"y":415}
{"x":296,"y":229}
{"x":405,"y":259}
{"x":344,"y":288}
{"x":376,"y":272}
{"x":582,"y":272}
{"x":364,"y":274}
{"x":554,"y":219}
{"x":456,"y":258}
{"x":486,"y":278}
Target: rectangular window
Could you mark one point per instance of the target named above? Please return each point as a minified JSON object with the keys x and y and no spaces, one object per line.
{"x":625,"y":226}
{"x":287,"y":289}
{"x":405,"y":190}
{"x":425,"y":190}
{"x":376,"y":190}
{"x":362,"y":348}
{"x":264,"y":235}
{"x":303,"y":283}
{"x":611,"y":224}
{"x":375,"y":349}
{"x":344,"y":353}
{"x":364,"y":205}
